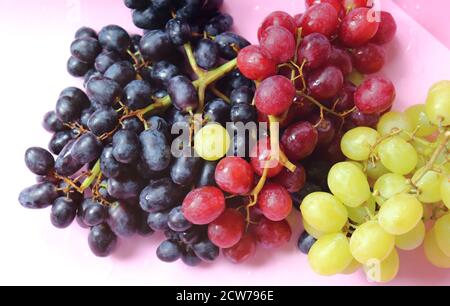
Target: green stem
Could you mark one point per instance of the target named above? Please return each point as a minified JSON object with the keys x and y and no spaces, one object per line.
{"x":91,"y":178}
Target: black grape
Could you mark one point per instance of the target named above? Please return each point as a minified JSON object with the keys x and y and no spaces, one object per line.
{"x":160,"y":195}
{"x":59,"y":141}
{"x":206,"y":177}
{"x":109,"y":166}
{"x":226,"y":41}
{"x":212,"y":6}
{"x":133,"y":124}
{"x":179,"y":31}
{"x":114,"y":38}
{"x":206,"y":250}
{"x":105,"y":60}
{"x":126,"y":147}
{"x":86,"y":148}
{"x":218,"y":111}
{"x":191,"y":235}
{"x":159,"y":124}
{"x":158,"y":221}
{"x":184,"y":170}
{"x":242,"y":94}
{"x":124,"y":188}
{"x":155,"y":45}
{"x":168,"y":251}
{"x":102,"y":240}
{"x":177,"y":222}
{"x":85,"y":49}
{"x":52,"y":123}
{"x":39,"y":161}
{"x":143,"y":229}
{"x":190,"y":259}
{"x":65,"y":163}
{"x":206,"y":54}
{"x":148,"y":19}
{"x":84,"y":32}
{"x":155,"y":150}
{"x":137,"y":94}
{"x":68,"y":110}
{"x":244,"y":113}
{"x":85,"y":115}
{"x":183,"y":94}
{"x":93,"y":212}
{"x":162,"y":72}
{"x":136,"y":4}
{"x":219,"y":24}
{"x":103,"y":121}
{"x":103,"y":90}
{"x":122,"y":72}
{"x":305,"y":242}
{"x":77,"y":68}
{"x":135,"y":40}
{"x":76,"y":95}
{"x":63,"y":212}
{"x":122,"y":220}
{"x":38,"y":196}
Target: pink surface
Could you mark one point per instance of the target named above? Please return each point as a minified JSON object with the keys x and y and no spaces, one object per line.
{"x":35,"y":48}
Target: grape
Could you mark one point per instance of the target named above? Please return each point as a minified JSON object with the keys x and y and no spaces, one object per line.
{"x":445,"y":191}
{"x":156,"y":45}
{"x":335,"y":3}
{"x":168,"y":251}
{"x":260,"y":155}
{"x":158,"y":221}
{"x":147,"y":19}
{"x":206,"y":54}
{"x":369,"y":58}
{"x":272,"y":234}
{"x":358,"y":143}
{"x":67,"y":109}
{"x":429,"y":185}
{"x":178,"y":31}
{"x":105,"y":60}
{"x":292,"y":181}
{"x":103,"y":90}
{"x":241,"y":251}
{"x":324,"y":212}
{"x":85,"y":115}
{"x":433,"y":253}
{"x":122,"y":220}
{"x":133,"y":124}
{"x":162,"y":72}
{"x":274,"y":95}
{"x":311,"y":230}
{"x":114,"y":38}
{"x":155,"y":150}
{"x":125,"y":146}
{"x":122,"y":72}
{"x":227,"y":229}
{"x":219,"y":24}
{"x":234,"y":175}
{"x":393,"y":121}
{"x":102,"y":241}
{"x":349,"y":184}
{"x":325,"y":82}
{"x":353,"y":267}
{"x":93,"y":213}
{"x":156,"y":123}
{"x":389,"y":185}
{"x":315,"y":49}
{"x":278,"y":43}
{"x":84,"y":32}
{"x":320,"y":18}
{"x":184,"y":170}
{"x":51,"y":123}
{"x":137,"y":94}
{"x":109,"y":166}
{"x":352,"y":4}
{"x":359,"y":118}
{"x":254,"y":64}
{"x":85,"y":49}
{"x":65,"y":164}
{"x":242,"y":112}
{"x":38,"y":196}
{"x":417,"y":117}
{"x":218,"y":111}
{"x":160,"y":195}
{"x":385,"y":271}
{"x":192,"y":235}
{"x":142,"y":227}
{"x":370,"y":242}
{"x":206,"y":177}
{"x":275,"y":202}
{"x":437,"y":106}
{"x":375,"y":95}
{"x":212,"y":142}
{"x":206,"y":250}
{"x":176,"y":220}
{"x":360,"y":214}
{"x":124,"y":188}
{"x":77,"y":68}
{"x":39,"y":161}
{"x":183,"y":94}
{"x":357,"y":28}
{"x":299,"y":140}
{"x":278,"y":18}
{"x":136,"y":4}
{"x":190,"y":259}
{"x":341,"y":59}
{"x":305,"y":242}
{"x":86,"y":148}
{"x":59,"y":141}
{"x":442,"y":234}
{"x":397,"y":155}
{"x":203,"y":205}
{"x":226,"y":41}
{"x":412,"y":239}
{"x":330,"y":254}
{"x":386,"y":30}
{"x":400,"y":214}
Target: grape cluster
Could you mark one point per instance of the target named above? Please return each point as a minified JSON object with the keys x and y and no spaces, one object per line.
{"x":396,"y":180}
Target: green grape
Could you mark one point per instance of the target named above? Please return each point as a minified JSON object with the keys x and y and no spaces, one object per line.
{"x":311,"y":230}
{"x":375,"y":169}
{"x":370,"y":242}
{"x":397,"y":155}
{"x":360,"y":214}
{"x":422,"y":147}
{"x":349,"y":184}
{"x":433,"y":253}
{"x":400,"y":214}
{"x":352,"y":267}
{"x":212,"y":142}
{"x":442,"y":234}
{"x":324,"y":212}
{"x":392,"y":121}
{"x":418,"y":118}
{"x":358,"y":142}
{"x":437,"y":106}
{"x":412,"y":239}
{"x":330,"y":254}
{"x":429,"y":185}
{"x":357,"y":164}
{"x":389,"y":185}
{"x":421,"y":161}
{"x":445,"y":190}
{"x":385,"y":271}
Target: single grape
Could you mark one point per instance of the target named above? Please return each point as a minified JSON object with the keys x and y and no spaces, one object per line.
{"x":433,"y":252}
{"x":397,"y":155}
{"x":182,"y":93}
{"x":67,"y":109}
{"x":393,"y":121}
{"x":176,"y":220}
{"x":412,"y":239}
{"x":155,"y":149}
{"x":162,"y":72}
{"x":93,"y":213}
{"x":278,"y":43}
{"x":241,"y":251}
{"x":103,"y":90}
{"x":206,"y":54}
{"x":442,"y":234}
{"x":102,"y":240}
{"x":109,"y":166}
{"x":234,"y":175}
{"x":320,"y":18}
{"x":219,"y":24}
{"x":359,"y":118}
{"x":254,"y":64}
{"x":114,"y":38}
{"x":122,"y":220}
{"x":292,"y":181}
{"x":77,"y":68}
{"x":416,"y":115}
{"x":311,"y":230}
{"x":385,"y":271}
{"x":85,"y":49}
{"x":353,"y":267}
{"x":358,"y":27}
{"x":207,"y":173}
{"x":278,"y":18}
{"x":325,"y":82}
{"x":400,"y":214}
{"x":59,"y":141}
{"x":260,"y":159}
{"x":158,"y":221}
{"x":206,"y":250}
{"x":203,"y":205}
{"x":341,"y":59}
{"x":369,"y":58}
{"x":275,"y":202}
{"x":148,"y":18}
{"x":242,"y":112}
{"x":168,"y":251}
{"x":325,"y":128}
{"x":179,"y":31}
{"x":337,"y":4}
{"x":39,"y":161}
{"x":156,"y":45}
{"x":389,"y":185}
{"x":190,"y":259}
{"x":133,"y":124}
{"x":299,"y":140}
{"x":122,"y":72}
{"x":227,"y":230}
{"x":358,"y":143}
{"x":86,"y":148}
{"x":126,"y":146}
{"x":38,"y":196}
{"x":212,"y":142}
{"x":429,"y":185}
{"x":52,"y":123}
{"x":84,"y":32}
{"x":315,"y":49}
{"x":105,"y":60}
{"x":218,"y":111}
{"x":437,"y":106}
{"x":386,"y":30}
{"x":229,"y":43}
{"x":124,"y":188}
{"x":160,"y":195}
{"x":375,"y":95}
{"x":65,"y":164}
{"x":242,"y":95}
{"x":185,"y":169}
{"x":272,"y":234}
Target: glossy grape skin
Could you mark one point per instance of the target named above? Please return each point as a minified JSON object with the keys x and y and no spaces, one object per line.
{"x":219,"y":24}
{"x":299,"y":140}
{"x":109,"y":166}
{"x":325,"y":82}
{"x":168,"y":251}
{"x":133,"y":124}
{"x":315,"y":49}
{"x":147,"y":19}
{"x":235,"y":79}
{"x":102,"y":240}
{"x":397,"y":155}
{"x":433,"y":252}
{"x":137,"y":94}
{"x":278,"y":18}
{"x":375,"y":95}
{"x":59,"y":141}
{"x":203,"y":205}
{"x":305,"y":242}
{"x":320,"y":18}
{"x":341,"y":59}
{"x":77,"y":68}
{"x":242,"y":112}
{"x":136,"y":4}
{"x":103,"y":90}
{"x":67,"y":109}
{"x":217,"y":110}
{"x":65,"y":164}
{"x":272,"y":234}
{"x":412,"y":239}
{"x":206,"y":177}
{"x":102,"y":121}
{"x":182,"y":93}
{"x":114,"y":38}
{"x":278,"y":43}
{"x":206,"y":250}
{"x":206,"y":54}
{"x":122,"y":72}
{"x":51,"y":123}
{"x":105,"y":60}
{"x":437,"y":105}
{"x":242,"y":95}
{"x":292,"y":181}
{"x":259,"y":156}
{"x":254,"y":64}
{"x":241,"y":251}
{"x":124,"y":188}
{"x":357,"y":144}
{"x":226,"y":40}
{"x":93,"y":213}
{"x":274,"y":95}
{"x":160,"y":195}
{"x":156,"y":123}
{"x":122,"y":220}
{"x":179,"y":31}
{"x":176,"y":220}
{"x":234,"y":175}
{"x":359,"y":118}
{"x":86,"y":148}
{"x":126,"y":146}
{"x":155,"y":150}
{"x":158,"y":221}
{"x":386,"y":30}
{"x":39,"y":161}
{"x":163,"y":71}
{"x":275,"y":202}
{"x":185,"y":169}
{"x":357,"y":29}
{"x":400,"y":214}
{"x":227,"y":229}
{"x":84,"y":32}
{"x":38,"y":196}
{"x":155,"y":45}
{"x":369,"y":58}
{"x":326,"y":129}
{"x":337,"y":4}
{"x":193,"y":235}
{"x":85,"y":49}
{"x":63,"y":212}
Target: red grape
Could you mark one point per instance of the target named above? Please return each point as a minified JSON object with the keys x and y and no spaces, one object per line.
{"x":315,"y":48}
{"x":272,"y":234}
{"x":299,"y":140}
{"x":375,"y":95}
{"x":325,"y":129}
{"x":234,"y":175}
{"x":333,"y":153}
{"x":254,"y":64}
{"x":386,"y":30}
{"x":369,"y":58}
{"x":242,"y":251}
{"x":325,"y":82}
{"x":345,"y":101}
{"x":358,"y":28}
{"x":352,"y":4}
{"x":260,"y":154}
{"x":275,"y":202}
{"x":360,"y":119}
{"x":274,"y":95}
{"x":292,"y":181}
{"x":341,"y":59}
{"x":298,"y":20}
{"x":320,"y":18}
{"x":227,"y":229}
{"x":278,"y":43}
{"x":203,"y":205}
{"x":335,"y":3}
{"x":278,"y":18}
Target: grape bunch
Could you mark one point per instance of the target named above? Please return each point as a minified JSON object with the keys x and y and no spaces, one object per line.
{"x":394,"y":184}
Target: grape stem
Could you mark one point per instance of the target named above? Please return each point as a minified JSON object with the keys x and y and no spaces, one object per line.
{"x":318,"y":104}
{"x":95,"y":172}
{"x":190,"y":55}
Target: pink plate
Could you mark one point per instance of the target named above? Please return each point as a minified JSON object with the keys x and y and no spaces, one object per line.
{"x":35,"y":48}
